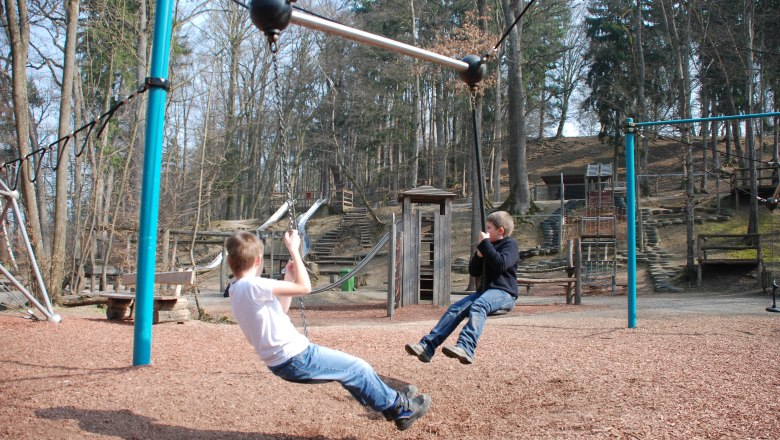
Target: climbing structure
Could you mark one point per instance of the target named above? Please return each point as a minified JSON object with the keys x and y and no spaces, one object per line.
{"x":598,"y":230}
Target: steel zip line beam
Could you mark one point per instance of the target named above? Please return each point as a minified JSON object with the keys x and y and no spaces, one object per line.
{"x":316,"y":23}
{"x":273,"y":16}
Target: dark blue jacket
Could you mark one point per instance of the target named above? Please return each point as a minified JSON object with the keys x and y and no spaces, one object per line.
{"x":500,"y":260}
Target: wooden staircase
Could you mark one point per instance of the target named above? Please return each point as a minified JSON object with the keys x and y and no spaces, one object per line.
{"x":355,"y":223}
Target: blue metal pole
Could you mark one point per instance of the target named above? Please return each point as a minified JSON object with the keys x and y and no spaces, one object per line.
{"x":631,"y":222}
{"x":150,"y":190}
{"x":714,"y":118}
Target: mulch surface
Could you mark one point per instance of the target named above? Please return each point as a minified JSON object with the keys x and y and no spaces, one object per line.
{"x":539,"y":372}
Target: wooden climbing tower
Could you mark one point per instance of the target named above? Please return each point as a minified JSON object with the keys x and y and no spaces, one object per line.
{"x":426,"y":249}
{"x":598,"y":229}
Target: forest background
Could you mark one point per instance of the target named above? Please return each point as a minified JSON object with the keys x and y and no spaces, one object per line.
{"x":350,"y":116}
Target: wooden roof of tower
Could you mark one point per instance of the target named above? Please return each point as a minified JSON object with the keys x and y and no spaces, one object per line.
{"x":426,"y":194}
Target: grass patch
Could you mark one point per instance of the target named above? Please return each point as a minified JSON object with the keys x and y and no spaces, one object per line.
{"x":768,"y":227}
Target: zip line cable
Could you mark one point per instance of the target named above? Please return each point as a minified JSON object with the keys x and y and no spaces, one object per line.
{"x":708,"y":172}
{"x":693,"y":145}
{"x":492,"y":51}
{"x":700,"y":147}
{"x":240,"y":4}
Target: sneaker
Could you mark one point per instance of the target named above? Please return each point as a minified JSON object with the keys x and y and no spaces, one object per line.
{"x":409,"y":391}
{"x":406,"y":411}
{"x":419,"y":351}
{"x":458,"y":353}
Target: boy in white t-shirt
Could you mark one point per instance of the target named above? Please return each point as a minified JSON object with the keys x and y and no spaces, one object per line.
{"x":260,"y":307}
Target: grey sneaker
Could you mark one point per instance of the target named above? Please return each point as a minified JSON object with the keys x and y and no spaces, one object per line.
{"x":406,"y":411}
{"x":419,"y":351}
{"x":458,"y":353}
{"x":409,"y":391}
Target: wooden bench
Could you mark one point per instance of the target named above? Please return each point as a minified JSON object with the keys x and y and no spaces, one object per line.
{"x":715,"y":249}
{"x":572,"y":282}
{"x":569,"y":284}
{"x":169,"y":304}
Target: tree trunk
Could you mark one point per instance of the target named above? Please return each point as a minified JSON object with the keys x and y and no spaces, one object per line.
{"x":542,"y":106}
{"x":679,"y":46}
{"x":497,"y":133}
{"x":19,"y":35}
{"x":689,"y":261}
{"x":417,"y":121}
{"x":140,"y":76}
{"x":640,"y":73}
{"x":518,"y":201}
{"x":441,"y":144}
{"x":749,"y":7}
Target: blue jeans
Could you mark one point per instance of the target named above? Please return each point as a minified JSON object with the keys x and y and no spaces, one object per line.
{"x":322,"y":364}
{"x":476,"y":306}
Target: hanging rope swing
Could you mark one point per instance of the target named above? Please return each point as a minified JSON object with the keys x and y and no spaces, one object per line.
{"x":273,"y":17}
{"x":771,"y":204}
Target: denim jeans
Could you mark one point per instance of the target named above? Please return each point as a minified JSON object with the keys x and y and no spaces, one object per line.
{"x":322,"y":364}
{"x":476,"y":306}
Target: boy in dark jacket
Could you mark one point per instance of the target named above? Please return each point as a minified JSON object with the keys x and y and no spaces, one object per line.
{"x":500,"y":253}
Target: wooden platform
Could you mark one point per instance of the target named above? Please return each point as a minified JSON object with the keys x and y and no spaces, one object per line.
{"x":714,"y":250}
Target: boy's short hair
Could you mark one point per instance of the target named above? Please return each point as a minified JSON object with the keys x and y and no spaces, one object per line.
{"x":243,"y":248}
{"x":502,"y":219}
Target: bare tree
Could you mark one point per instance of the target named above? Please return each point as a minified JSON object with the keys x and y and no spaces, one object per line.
{"x":519,"y":200}
{"x":63,"y":151}
{"x":19,"y":34}
{"x":571,"y":71}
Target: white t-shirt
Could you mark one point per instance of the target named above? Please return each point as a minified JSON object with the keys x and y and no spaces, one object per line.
{"x":263,"y":322}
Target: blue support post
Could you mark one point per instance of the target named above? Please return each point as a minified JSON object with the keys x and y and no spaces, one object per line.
{"x":631,"y":192}
{"x":631,"y":222}
{"x":150,"y":191}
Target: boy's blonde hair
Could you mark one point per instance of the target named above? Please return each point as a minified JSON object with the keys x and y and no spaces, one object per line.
{"x":502,"y":219}
{"x":243,"y":248}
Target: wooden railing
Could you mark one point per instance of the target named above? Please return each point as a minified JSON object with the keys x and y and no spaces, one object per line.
{"x":726,"y":249}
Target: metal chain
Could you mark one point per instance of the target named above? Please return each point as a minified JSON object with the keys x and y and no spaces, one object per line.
{"x":282,"y":133}
{"x":286,"y":162}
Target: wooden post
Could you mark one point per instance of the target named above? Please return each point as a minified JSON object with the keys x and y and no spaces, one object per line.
{"x":173,"y":255}
{"x":717,"y":193}
{"x":699,"y":258}
{"x":222,"y":266}
{"x":759,"y":254}
{"x":165,"y":245}
{"x":442,"y":254}
{"x":409,"y":275}
{"x":578,"y":271}
{"x":391,"y":269}
{"x":272,"y":236}
{"x":569,"y":268}
{"x":563,"y":216}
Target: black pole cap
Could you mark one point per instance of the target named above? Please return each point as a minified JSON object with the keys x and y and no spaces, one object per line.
{"x":476,"y":71}
{"x":270,"y":16}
